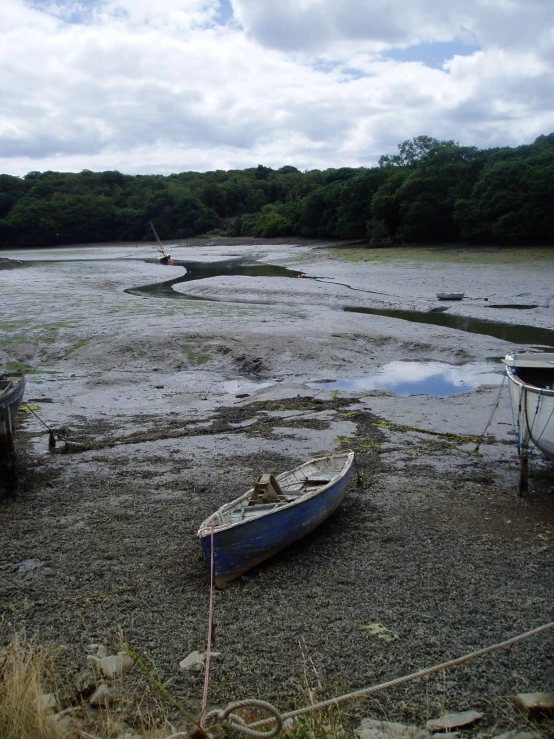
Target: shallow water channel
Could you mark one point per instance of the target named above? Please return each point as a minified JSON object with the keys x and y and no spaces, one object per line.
{"x":517,"y":334}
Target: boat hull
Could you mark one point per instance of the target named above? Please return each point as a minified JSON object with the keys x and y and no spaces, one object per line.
{"x":450,"y":296}
{"x":534,"y":413}
{"x":239,"y":547}
{"x":10,"y":400}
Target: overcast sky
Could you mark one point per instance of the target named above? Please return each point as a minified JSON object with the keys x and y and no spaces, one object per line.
{"x":161,"y":86}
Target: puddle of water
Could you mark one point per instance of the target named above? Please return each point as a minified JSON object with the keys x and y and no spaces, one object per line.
{"x":514,"y":334}
{"x":205,"y":270}
{"x":418,"y":378}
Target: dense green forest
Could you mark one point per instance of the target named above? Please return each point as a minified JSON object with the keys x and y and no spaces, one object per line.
{"x":429,"y":191}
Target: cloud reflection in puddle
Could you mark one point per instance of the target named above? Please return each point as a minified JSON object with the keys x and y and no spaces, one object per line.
{"x":418,"y":378}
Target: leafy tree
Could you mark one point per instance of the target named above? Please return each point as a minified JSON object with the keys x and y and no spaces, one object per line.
{"x":511,"y":201}
{"x":11,"y":190}
{"x":354,"y":209}
{"x":429,"y":190}
{"x":414,"y":151}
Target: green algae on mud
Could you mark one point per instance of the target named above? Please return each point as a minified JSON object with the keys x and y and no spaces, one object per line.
{"x":196,"y":357}
{"x":449,"y":253}
{"x":14,"y":366}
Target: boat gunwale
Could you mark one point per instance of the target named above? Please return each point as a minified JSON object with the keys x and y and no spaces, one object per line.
{"x":527,"y":385}
{"x":16,"y":384}
{"x":205,"y":528}
{"x":529,"y":361}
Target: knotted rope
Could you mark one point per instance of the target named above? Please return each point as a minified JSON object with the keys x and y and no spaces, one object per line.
{"x":240,"y":725}
{"x":251,"y":729}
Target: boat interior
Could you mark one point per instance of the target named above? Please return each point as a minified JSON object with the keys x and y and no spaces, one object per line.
{"x":541,"y":377}
{"x":272,"y":492}
{"x":6,"y":384}
{"x":533,"y":369}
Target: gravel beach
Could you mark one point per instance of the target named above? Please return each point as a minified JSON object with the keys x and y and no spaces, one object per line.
{"x":172,"y":403}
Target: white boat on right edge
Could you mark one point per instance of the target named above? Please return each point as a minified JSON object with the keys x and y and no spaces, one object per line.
{"x":531,"y":383}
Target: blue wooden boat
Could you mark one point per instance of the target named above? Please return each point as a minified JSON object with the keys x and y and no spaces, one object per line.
{"x":12,"y":388}
{"x":277,"y":511}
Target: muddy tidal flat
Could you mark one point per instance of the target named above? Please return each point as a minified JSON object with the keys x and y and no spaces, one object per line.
{"x":173,"y":388}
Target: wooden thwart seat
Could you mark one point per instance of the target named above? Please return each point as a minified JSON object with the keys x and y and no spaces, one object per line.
{"x":317,"y":480}
{"x":267,"y":490}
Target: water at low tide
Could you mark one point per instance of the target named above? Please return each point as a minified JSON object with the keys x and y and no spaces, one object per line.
{"x":418,"y":378}
{"x":205,"y":270}
{"x":513,"y":333}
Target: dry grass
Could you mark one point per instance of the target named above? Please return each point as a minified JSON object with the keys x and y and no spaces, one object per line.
{"x":24,"y":671}
{"x":27,"y":674}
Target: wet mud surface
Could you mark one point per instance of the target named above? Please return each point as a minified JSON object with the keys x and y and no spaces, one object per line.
{"x":165,"y":409}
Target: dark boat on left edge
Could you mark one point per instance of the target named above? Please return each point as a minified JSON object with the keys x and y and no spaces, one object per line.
{"x":12,"y":388}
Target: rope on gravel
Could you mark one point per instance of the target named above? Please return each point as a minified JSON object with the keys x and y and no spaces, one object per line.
{"x":250,"y":729}
{"x":492,"y":414}
{"x":239,"y":724}
{"x":51,"y":435}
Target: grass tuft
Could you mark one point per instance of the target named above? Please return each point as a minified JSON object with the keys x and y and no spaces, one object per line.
{"x":24,"y":670}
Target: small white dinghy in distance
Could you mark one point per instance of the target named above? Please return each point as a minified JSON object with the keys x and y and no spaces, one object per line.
{"x":450,"y":296}
{"x":274,"y":513}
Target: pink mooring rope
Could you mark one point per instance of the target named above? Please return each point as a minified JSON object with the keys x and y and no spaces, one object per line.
{"x":210,"y":619}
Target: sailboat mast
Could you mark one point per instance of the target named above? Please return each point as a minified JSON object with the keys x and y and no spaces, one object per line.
{"x":160,"y":245}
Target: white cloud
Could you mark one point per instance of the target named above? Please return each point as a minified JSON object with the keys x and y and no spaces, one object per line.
{"x":316,"y":24}
{"x":163,"y":87}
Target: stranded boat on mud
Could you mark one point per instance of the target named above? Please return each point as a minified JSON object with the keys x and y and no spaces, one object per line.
{"x":450,"y":296}
{"x":163,"y":257}
{"x":274,"y":513}
{"x":12,"y":388}
{"x":531,"y":382}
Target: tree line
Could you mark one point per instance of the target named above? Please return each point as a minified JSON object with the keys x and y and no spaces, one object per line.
{"x":430,"y":191}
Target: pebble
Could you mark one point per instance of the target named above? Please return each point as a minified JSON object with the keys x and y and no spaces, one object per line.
{"x":102,"y":696}
{"x":371,"y":729}
{"x":195,"y":661}
{"x":114,"y":665}
{"x":453,"y":720}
